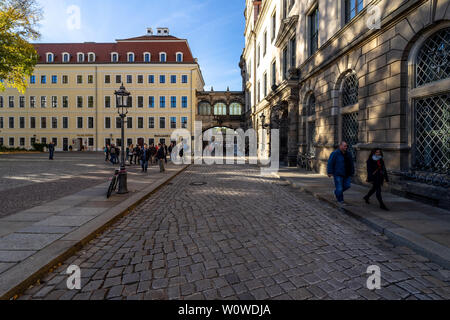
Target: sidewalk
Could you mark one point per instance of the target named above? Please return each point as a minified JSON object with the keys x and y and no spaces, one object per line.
{"x":423,"y":228}
{"x":35,"y":240}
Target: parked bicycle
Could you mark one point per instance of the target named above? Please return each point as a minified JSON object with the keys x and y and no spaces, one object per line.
{"x":113,"y":184}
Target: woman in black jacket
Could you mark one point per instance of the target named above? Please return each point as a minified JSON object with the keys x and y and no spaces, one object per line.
{"x":377,"y":175}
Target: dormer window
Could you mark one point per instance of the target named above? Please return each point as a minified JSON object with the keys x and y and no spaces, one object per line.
{"x":147,"y":57}
{"x":163,"y":57}
{"x":50,"y":57}
{"x":130,"y":57}
{"x":66,"y":57}
{"x":80,"y":57}
{"x":91,"y":57}
{"x":114,"y":57}
{"x":179,"y":57}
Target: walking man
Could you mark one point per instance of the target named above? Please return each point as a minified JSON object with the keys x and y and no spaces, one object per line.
{"x":51,"y":150}
{"x":145,"y":156}
{"x":106,"y":151}
{"x":112,"y":152}
{"x":160,"y":156}
{"x":342,"y":169}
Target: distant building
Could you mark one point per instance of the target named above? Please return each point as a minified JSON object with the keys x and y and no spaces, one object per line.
{"x":70,"y":99}
{"x":323,"y":71}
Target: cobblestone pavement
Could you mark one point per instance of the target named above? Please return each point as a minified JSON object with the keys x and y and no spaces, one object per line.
{"x":241,"y":236}
{"x":29,"y":180}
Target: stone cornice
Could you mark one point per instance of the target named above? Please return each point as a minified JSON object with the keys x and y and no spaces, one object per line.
{"x":286,"y":28}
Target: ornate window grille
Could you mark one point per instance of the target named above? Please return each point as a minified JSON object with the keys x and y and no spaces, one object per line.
{"x":432,"y":152}
{"x":350,"y":89}
{"x":433,"y":60}
{"x":431,"y":161}
{"x":350,"y":131}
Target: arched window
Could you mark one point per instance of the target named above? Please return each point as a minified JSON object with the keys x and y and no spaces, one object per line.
{"x":235,"y":109}
{"x":204,"y":109}
{"x":91,"y":57}
{"x":350,"y":89}
{"x":50,"y":57}
{"x":220,"y":109}
{"x":130,"y":57}
{"x":433,"y":59}
{"x":162,"y":57}
{"x":311,"y":106}
{"x":80,"y":57}
{"x":66,"y":57}
{"x":348,"y":121}
{"x":147,"y":57}
{"x":431,"y":108}
{"x":114,"y":57}
{"x":179,"y":57}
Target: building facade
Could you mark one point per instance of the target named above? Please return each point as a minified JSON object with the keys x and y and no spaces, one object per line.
{"x":70,"y":99}
{"x":374,"y":73}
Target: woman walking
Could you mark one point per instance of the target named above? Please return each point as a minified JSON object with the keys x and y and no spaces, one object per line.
{"x":377,"y":175}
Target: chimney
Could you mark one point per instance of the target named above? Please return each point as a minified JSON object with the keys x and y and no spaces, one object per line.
{"x":149,"y":31}
{"x":162,"y":32}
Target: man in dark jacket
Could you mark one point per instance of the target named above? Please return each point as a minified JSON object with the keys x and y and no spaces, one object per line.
{"x":144,"y":156}
{"x":51,"y":150}
{"x":161,"y":155}
{"x":342,"y":169}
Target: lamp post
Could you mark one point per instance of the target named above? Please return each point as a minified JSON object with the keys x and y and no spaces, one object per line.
{"x":122,"y":97}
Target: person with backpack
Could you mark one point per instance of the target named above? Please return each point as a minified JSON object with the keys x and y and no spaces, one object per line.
{"x":377,"y":175}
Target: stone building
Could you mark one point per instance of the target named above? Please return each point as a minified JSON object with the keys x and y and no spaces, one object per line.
{"x":374,"y":73}
{"x":220,"y":109}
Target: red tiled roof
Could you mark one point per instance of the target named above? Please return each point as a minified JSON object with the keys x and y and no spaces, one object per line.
{"x":152,"y":44}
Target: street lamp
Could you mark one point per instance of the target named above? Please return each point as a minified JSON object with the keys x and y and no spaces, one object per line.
{"x":122,"y":105}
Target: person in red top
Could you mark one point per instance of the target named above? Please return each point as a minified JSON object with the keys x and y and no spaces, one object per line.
{"x":377,"y":175}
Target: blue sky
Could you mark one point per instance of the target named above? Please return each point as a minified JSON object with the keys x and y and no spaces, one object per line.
{"x":213,"y":28}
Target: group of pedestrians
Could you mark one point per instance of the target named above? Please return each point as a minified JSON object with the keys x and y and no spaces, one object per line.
{"x":341,"y":167}
{"x":144,"y":155}
{"x":112,"y":154}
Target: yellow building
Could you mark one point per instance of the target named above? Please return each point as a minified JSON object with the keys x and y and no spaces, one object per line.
{"x":70,"y":99}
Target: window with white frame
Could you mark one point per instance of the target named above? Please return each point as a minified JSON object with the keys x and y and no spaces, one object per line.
{"x":130,"y":57}
{"x":179,"y":57}
{"x":114,"y":57}
{"x":80,"y":57}
{"x":147,"y":57}
{"x":91,"y":57}
{"x":66,"y":57}
{"x":162,"y":57}
{"x":50,"y":57}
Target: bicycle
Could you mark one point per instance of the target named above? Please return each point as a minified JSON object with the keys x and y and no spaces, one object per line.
{"x":113,"y":184}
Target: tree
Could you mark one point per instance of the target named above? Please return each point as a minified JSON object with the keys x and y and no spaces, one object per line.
{"x":18,"y":21}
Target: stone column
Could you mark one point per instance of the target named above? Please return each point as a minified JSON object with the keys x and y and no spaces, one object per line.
{"x":292,"y":131}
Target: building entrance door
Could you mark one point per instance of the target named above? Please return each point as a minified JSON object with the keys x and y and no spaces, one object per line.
{"x":141,"y":142}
